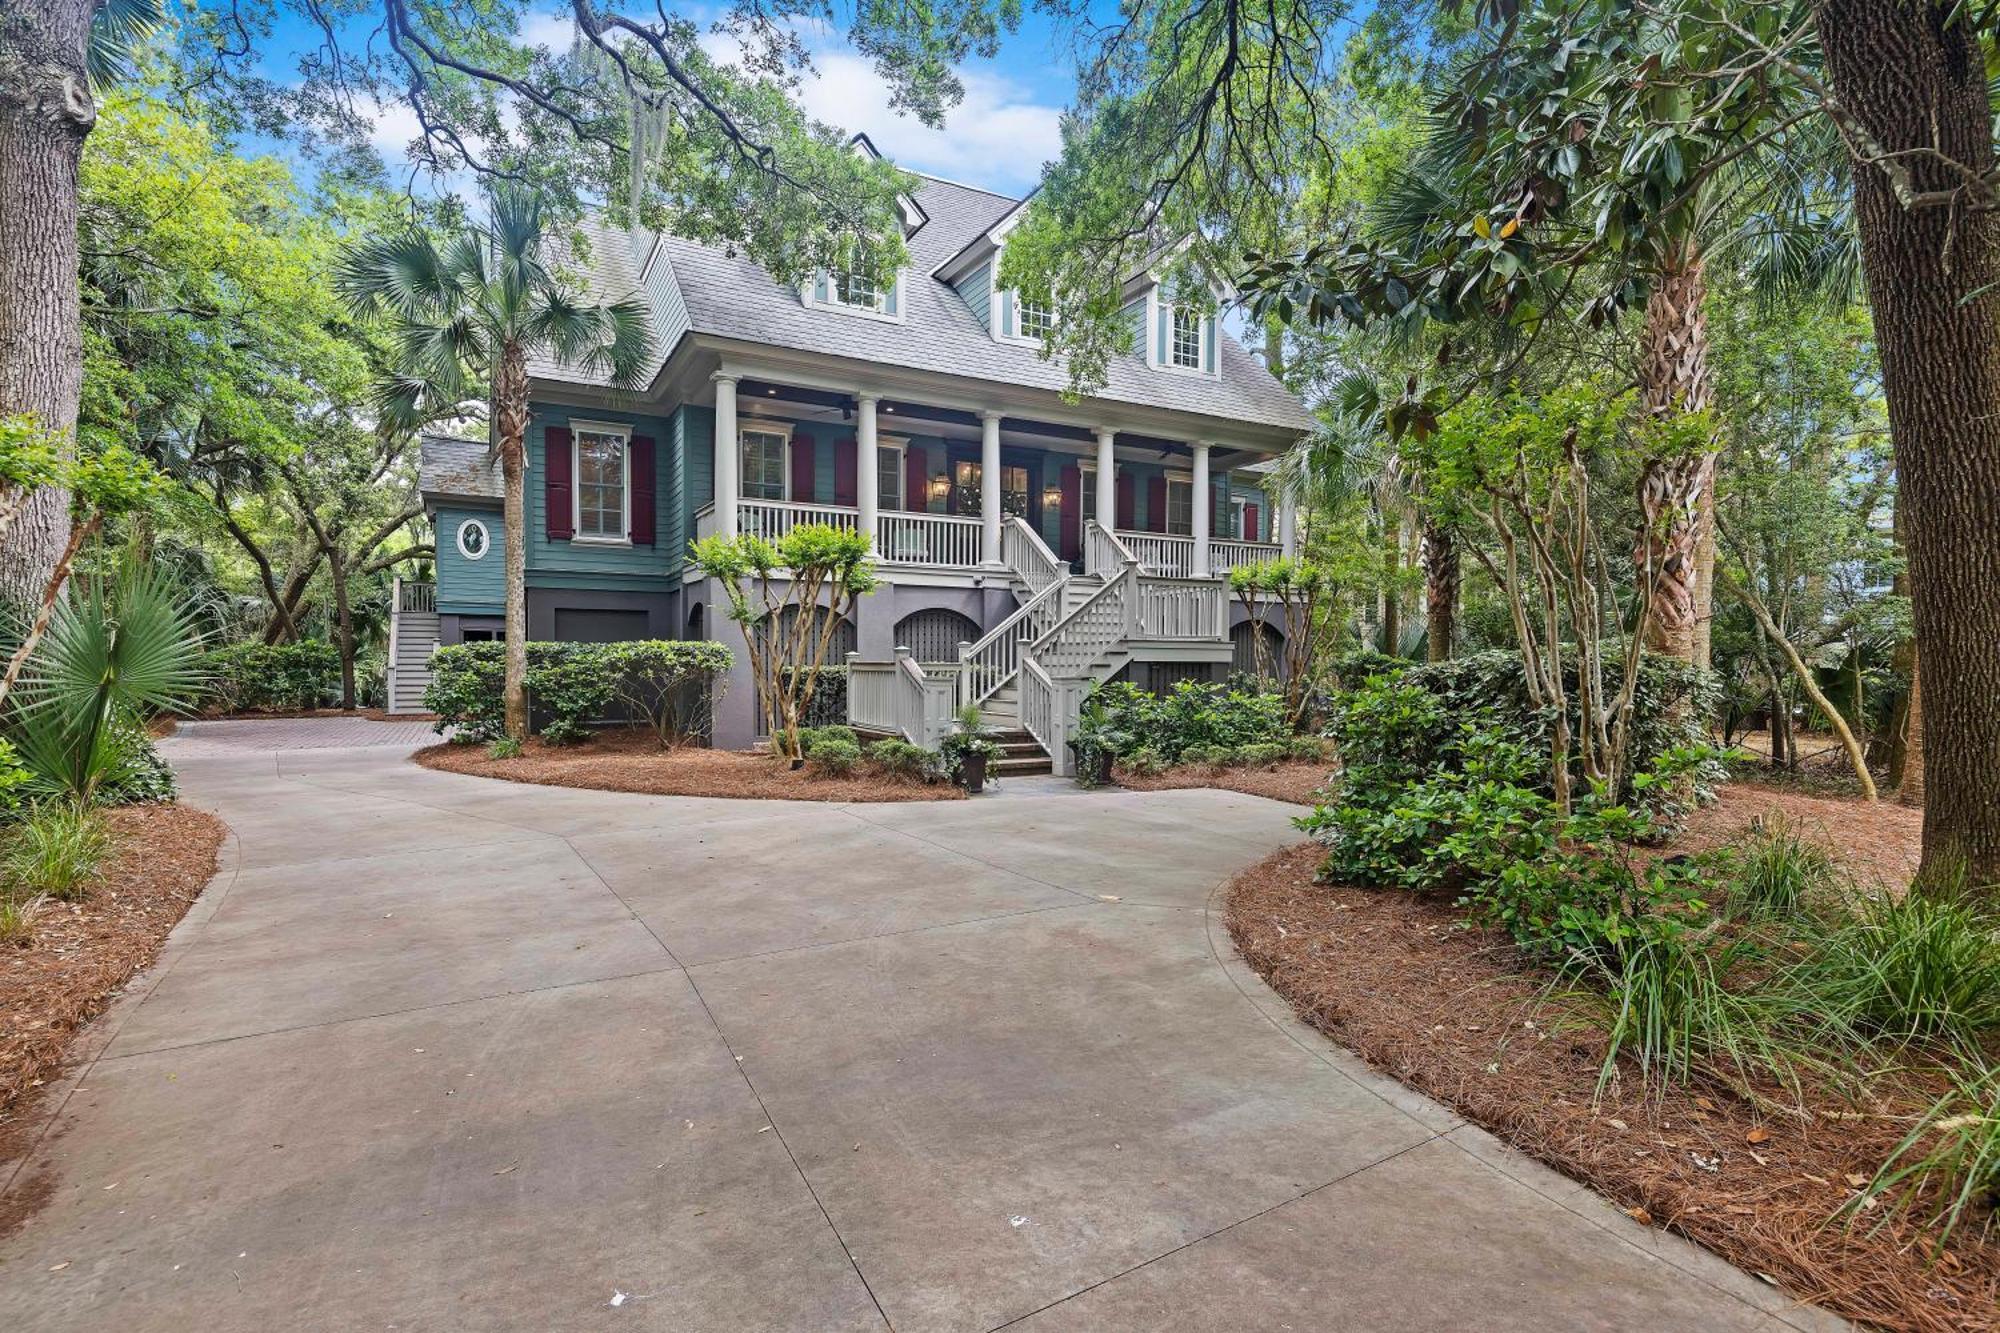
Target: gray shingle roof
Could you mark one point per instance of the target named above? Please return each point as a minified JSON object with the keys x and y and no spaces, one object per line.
{"x":705,"y":290}
{"x":448,"y":466}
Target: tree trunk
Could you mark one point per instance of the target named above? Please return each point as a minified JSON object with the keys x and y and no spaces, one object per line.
{"x":1910,"y":785}
{"x":1392,"y":598}
{"x":1834,"y":717}
{"x":336,"y":566}
{"x":1910,"y":73}
{"x":1674,"y":378}
{"x":510,"y":395}
{"x":1441,"y":581}
{"x":45,"y":113}
{"x":1904,"y":738}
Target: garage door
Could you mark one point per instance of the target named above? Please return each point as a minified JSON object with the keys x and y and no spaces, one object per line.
{"x":584,"y":626}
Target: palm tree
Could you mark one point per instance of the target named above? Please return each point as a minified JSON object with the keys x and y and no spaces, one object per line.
{"x":471,"y":308}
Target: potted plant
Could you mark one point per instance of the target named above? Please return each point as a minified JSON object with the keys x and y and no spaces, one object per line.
{"x":968,"y":750}
{"x":1097,"y":744}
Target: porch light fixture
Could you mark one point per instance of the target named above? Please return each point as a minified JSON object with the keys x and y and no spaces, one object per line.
{"x":940,"y":486}
{"x":1052,"y":497}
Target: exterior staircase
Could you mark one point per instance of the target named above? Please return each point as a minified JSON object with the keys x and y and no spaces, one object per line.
{"x":1030,"y":673}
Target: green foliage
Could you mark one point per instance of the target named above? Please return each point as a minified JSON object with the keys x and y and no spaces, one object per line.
{"x":144,"y":777}
{"x":906,"y":762}
{"x":283,"y":677}
{"x":17,"y":919}
{"x":119,"y":649}
{"x":1123,"y":719}
{"x":15,"y":779}
{"x":570,"y":685}
{"x":830,"y":752}
{"x":55,"y":851}
{"x":503,"y":747}
{"x":1951,"y":1157}
{"x":671,"y":684}
{"x":1918,"y":965}
{"x":1777,"y":872}
{"x":1391,"y":729}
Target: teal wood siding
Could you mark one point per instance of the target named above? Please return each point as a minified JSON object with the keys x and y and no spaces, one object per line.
{"x":1135,"y":315}
{"x":693,"y":454}
{"x":976,"y":288}
{"x":470,"y":587}
{"x":555,"y":564}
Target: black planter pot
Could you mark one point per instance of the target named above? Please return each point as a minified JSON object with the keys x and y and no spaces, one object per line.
{"x":972,"y":770}
{"x":1093,"y":767}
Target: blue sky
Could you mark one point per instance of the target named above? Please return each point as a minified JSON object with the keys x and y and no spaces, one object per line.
{"x":997,"y":138}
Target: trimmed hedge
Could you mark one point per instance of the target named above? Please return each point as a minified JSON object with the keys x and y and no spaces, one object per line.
{"x":572,"y":686}
{"x":273,"y":677}
{"x":1194,"y":715}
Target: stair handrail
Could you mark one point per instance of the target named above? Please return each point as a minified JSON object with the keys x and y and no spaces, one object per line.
{"x":1103,"y":552}
{"x":1100,"y":620}
{"x":984,"y":667}
{"x":1023,"y":551}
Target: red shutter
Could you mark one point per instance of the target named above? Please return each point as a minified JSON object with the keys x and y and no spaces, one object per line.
{"x":916,"y":485}
{"x":1249,"y":523}
{"x":556,"y":462}
{"x":1156,"y":505}
{"x":1068,"y":524}
{"x":802,"y":470}
{"x":644,"y":479}
{"x":1126,"y":496}
{"x":845,"y":458}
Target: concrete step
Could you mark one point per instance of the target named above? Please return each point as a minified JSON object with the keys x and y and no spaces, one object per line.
{"x":1008,"y":767}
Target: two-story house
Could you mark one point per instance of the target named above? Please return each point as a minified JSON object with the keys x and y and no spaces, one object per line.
{"x":1028,"y":544}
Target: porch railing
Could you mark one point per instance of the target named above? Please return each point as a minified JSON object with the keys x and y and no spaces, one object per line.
{"x":1173,"y":557}
{"x":1103,"y":553}
{"x":905,"y":538}
{"x":900,"y":697}
{"x":416,"y":597}
{"x":772,"y":519}
{"x":1023,"y":551}
{"x":987,"y":665}
{"x":1183,"y":609}
{"x":1228,"y":555}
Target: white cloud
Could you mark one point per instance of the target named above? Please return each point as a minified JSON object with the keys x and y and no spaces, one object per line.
{"x":557,"y":31}
{"x":997,"y":136}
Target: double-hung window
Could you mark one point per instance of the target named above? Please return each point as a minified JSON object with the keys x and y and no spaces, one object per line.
{"x":1184,"y":342}
{"x":1180,"y":506}
{"x":1036,"y":322}
{"x":857,"y":290}
{"x":763,"y":471}
{"x":603,"y":483}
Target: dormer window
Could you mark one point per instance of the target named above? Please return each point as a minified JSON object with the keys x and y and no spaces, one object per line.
{"x":1184,"y":346}
{"x":855,"y":292}
{"x":1037,"y":322}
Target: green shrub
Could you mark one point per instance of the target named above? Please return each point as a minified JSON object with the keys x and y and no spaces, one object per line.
{"x":1211,"y":756}
{"x":139,"y":776}
{"x":572,"y":685}
{"x":280,"y":677}
{"x":1309,"y":749}
{"x":905,"y":762}
{"x":55,"y":851}
{"x":1145,"y":762}
{"x":1122,"y":718}
{"x":503,"y":747}
{"x":830,"y":752}
{"x":1922,"y":965}
{"x":1260,"y":754}
{"x":15,"y":778}
{"x":1393,"y":729}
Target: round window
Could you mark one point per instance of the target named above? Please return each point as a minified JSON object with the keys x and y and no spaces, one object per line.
{"x":473,"y":539}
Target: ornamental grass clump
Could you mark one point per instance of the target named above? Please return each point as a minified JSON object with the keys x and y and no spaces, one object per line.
{"x":1948,"y":1167}
{"x":55,"y":852}
{"x":1921,"y":965}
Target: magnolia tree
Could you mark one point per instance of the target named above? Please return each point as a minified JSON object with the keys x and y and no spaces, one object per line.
{"x":790,"y":596}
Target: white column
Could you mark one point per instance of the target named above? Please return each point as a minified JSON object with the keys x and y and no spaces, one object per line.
{"x":1107,"y":483}
{"x":867,"y":471}
{"x":728,"y":487}
{"x":1204,"y":505}
{"x":1288,"y":525}
{"x":989,"y":488}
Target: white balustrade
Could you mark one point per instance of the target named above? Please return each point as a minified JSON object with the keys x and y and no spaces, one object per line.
{"x":1160,"y":554}
{"x":900,"y":697}
{"x":1183,"y":609}
{"x":927,"y":539}
{"x":1103,"y":553}
{"x":772,"y":519}
{"x":416,"y":597}
{"x":987,"y":665}
{"x":1023,"y":551}
{"x":1226,"y":555}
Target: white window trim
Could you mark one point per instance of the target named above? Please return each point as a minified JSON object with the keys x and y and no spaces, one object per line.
{"x":486,"y":538}
{"x":808,"y":290}
{"x":900,"y":446}
{"x":1203,"y":334}
{"x":577,"y":429}
{"x":765,"y":427}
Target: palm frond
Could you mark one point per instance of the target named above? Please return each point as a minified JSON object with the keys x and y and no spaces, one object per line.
{"x":116,"y":32}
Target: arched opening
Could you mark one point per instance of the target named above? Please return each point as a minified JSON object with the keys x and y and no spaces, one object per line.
{"x":933,"y":635}
{"x":1243,"y":649}
{"x":697,"y":626}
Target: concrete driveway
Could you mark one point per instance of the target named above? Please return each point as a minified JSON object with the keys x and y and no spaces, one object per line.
{"x":440,"y":1053}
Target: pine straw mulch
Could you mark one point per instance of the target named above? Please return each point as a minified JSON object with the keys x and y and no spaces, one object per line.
{"x":633,"y":761}
{"x":1293,"y":781}
{"x":79,"y":954}
{"x":1459,"y":1014}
